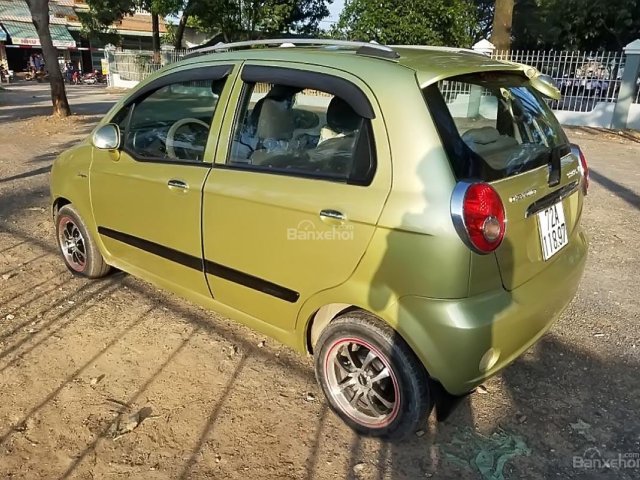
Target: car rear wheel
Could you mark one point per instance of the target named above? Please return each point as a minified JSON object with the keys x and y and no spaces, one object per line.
{"x":371,"y":377}
{"x":80,"y":252}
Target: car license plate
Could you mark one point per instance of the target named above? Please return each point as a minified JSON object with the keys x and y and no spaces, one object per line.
{"x":553,"y":230}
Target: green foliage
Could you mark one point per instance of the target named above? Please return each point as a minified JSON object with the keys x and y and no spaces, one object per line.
{"x":241,"y":19}
{"x":484,"y":14}
{"x":433,"y":22}
{"x":575,"y":24}
{"x":169,"y":37}
{"x":97,"y":21}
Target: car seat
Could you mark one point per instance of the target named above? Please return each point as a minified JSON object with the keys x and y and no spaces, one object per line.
{"x":335,"y":148}
{"x":274,"y":131}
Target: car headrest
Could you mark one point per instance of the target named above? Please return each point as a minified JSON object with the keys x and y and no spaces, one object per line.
{"x":341,"y":117}
{"x":275,"y":120}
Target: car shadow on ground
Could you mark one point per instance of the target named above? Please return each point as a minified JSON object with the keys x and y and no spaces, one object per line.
{"x":563,"y":415}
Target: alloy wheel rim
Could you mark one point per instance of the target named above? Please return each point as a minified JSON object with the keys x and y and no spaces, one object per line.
{"x":72,"y":244}
{"x":362,"y":382}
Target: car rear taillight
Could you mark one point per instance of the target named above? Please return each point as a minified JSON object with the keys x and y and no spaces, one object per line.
{"x":585,"y":171}
{"x":478,"y":215}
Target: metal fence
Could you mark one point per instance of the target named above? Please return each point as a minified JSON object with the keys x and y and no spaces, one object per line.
{"x":136,"y":65}
{"x":584,"y":78}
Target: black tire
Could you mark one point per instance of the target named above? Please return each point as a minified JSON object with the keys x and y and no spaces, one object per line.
{"x":361,"y":333}
{"x":93,"y":265}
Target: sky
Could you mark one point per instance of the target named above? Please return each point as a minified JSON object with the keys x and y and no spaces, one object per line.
{"x":334,"y":12}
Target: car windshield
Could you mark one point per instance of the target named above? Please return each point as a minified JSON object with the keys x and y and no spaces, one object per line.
{"x":493,"y":125}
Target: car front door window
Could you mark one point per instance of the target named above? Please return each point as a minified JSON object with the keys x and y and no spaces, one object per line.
{"x":172,"y":123}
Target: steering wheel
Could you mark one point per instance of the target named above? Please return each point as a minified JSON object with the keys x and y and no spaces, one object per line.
{"x":171,"y":143}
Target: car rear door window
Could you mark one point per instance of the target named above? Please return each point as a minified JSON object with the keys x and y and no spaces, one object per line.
{"x":301,"y":131}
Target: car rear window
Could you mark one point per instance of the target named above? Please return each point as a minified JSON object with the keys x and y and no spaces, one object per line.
{"x":493,"y":125}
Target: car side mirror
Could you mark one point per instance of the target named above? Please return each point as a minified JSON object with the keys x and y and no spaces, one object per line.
{"x":107,"y":137}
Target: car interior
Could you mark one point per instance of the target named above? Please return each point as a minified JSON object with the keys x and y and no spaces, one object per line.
{"x":507,"y":132}
{"x":173,"y":122}
{"x":295,"y":129}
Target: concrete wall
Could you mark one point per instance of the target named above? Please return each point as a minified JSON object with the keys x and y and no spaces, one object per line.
{"x":633,"y":121}
{"x":600,"y":116}
{"x":116,"y":82}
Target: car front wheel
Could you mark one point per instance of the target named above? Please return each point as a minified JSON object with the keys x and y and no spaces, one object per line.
{"x":79,"y":250}
{"x":371,"y":377}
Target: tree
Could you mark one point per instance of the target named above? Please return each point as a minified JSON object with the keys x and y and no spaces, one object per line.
{"x":434,"y":22}
{"x":576,"y":24}
{"x":187,"y":11}
{"x":249,"y":19}
{"x":484,"y":15}
{"x":502,"y":20}
{"x":104,"y":13}
{"x":40,"y":16}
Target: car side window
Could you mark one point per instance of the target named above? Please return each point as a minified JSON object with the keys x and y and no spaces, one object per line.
{"x":301,"y":132}
{"x":171,"y":123}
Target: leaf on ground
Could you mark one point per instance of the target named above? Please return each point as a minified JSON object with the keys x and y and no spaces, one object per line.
{"x":128,"y":423}
{"x":583,"y":428}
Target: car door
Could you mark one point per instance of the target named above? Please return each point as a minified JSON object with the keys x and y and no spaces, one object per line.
{"x":291,"y":204}
{"x":146,"y":196}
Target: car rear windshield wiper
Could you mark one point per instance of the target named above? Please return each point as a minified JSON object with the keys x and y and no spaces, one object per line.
{"x":556,"y":155}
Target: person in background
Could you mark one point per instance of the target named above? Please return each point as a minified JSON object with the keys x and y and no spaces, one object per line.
{"x":68,"y":71}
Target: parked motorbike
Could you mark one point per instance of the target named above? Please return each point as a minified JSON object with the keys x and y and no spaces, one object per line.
{"x":93,"y":77}
{"x":6,"y":75}
{"x":42,"y":75}
{"x":31,"y":74}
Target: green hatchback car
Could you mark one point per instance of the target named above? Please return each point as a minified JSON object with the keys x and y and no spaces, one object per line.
{"x":407,"y":215}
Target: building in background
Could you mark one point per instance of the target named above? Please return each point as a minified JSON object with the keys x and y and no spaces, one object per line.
{"x":21,"y":39}
{"x":3,"y":40}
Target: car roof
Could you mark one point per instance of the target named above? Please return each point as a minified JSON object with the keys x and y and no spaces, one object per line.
{"x":430,"y":64}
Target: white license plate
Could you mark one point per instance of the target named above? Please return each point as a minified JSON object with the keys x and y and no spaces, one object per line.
{"x":553,"y":230}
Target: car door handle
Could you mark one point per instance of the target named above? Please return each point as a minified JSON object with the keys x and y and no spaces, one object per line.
{"x":177,"y":185}
{"x":332,"y":217}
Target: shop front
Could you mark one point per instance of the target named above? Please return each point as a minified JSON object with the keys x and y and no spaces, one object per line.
{"x":23,"y":43}
{"x":3,"y":40}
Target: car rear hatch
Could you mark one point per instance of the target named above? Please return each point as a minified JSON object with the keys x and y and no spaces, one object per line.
{"x":497,"y":129}
{"x":541,"y":220}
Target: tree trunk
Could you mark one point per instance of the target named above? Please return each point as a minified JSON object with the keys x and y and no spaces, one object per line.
{"x":502,"y":19}
{"x":40,"y":16}
{"x":155,"y":39}
{"x":180,"y":30}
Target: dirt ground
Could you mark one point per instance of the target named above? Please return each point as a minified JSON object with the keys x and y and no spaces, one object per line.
{"x":82,"y":363}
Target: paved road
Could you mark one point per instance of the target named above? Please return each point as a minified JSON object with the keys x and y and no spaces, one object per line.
{"x":29,"y":99}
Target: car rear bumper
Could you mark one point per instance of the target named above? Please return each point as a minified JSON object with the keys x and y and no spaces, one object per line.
{"x":463,"y":342}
